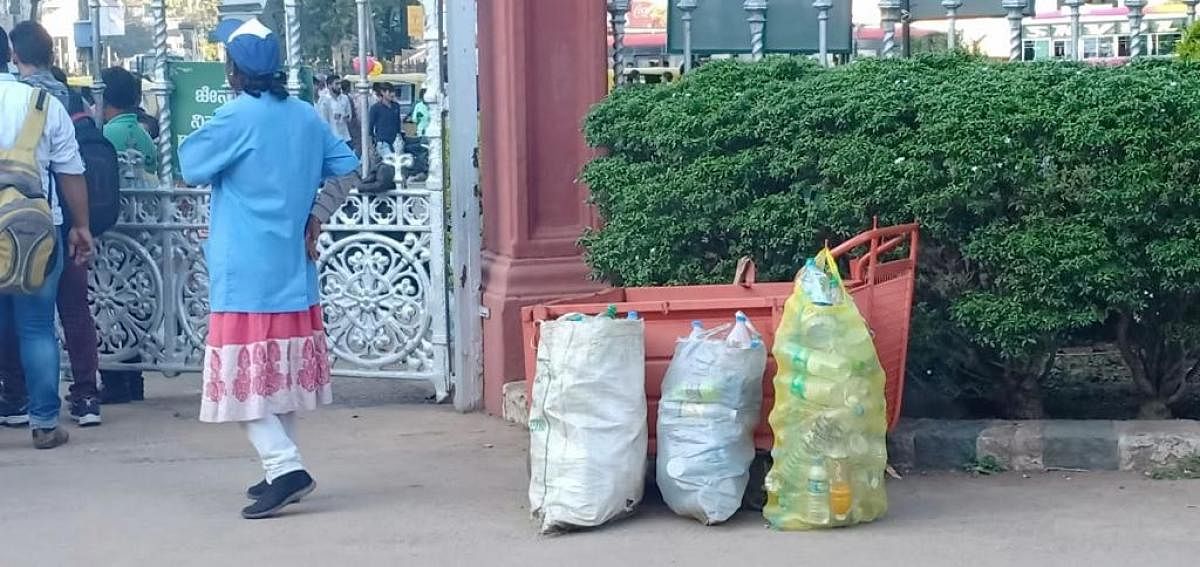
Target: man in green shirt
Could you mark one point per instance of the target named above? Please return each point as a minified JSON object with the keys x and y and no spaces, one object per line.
{"x":122,"y":96}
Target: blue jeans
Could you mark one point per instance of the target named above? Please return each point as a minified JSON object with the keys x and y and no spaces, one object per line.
{"x":33,"y":318}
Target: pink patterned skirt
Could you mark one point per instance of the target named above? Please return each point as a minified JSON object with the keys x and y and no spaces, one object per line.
{"x":258,"y":364}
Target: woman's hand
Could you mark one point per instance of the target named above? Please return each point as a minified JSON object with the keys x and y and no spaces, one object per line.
{"x":311,"y":233}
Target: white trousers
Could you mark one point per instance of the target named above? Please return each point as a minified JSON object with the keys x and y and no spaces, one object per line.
{"x":274,"y":437}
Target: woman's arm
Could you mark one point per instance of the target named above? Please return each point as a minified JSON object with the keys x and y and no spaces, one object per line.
{"x":205,"y":153}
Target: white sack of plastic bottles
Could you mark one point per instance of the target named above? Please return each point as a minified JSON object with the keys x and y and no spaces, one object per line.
{"x":587,"y":423}
{"x":710,"y":405}
{"x":829,"y":421}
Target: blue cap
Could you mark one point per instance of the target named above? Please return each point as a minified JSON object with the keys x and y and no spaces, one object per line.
{"x":251,"y":46}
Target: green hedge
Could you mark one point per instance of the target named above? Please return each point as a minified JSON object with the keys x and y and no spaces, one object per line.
{"x":1056,"y":200}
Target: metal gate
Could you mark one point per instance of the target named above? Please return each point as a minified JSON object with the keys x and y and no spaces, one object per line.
{"x":383,"y":258}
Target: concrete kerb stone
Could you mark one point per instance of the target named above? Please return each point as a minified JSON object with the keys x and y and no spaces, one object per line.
{"x":516,"y":403}
{"x":1145,"y":445}
{"x":1039,"y":445}
{"x":1022,"y":446}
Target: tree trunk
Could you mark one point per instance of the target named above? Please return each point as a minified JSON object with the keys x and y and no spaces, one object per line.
{"x":1021,"y":392}
{"x":1154,"y":408}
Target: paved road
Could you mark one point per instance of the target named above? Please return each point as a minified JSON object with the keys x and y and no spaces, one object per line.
{"x":418,"y":485}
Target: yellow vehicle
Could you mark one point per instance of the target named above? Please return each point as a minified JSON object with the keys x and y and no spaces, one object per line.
{"x":651,"y":75}
{"x":408,"y":85}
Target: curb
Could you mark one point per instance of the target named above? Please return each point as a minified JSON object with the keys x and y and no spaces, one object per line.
{"x":1026,"y":446}
{"x":1022,"y":446}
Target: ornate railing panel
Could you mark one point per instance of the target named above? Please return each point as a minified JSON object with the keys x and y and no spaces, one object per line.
{"x":150,"y":286}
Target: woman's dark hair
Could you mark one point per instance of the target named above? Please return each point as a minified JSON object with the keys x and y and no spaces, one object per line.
{"x":275,"y":85}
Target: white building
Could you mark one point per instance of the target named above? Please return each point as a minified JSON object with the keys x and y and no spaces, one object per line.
{"x":1046,"y":34}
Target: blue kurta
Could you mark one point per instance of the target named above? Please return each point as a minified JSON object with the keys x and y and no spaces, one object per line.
{"x":265,"y":159}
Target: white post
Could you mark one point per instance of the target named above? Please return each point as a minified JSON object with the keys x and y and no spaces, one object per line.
{"x":618,"y":11}
{"x":291,"y":15}
{"x":162,"y":92}
{"x":952,"y":7}
{"x":889,"y":15}
{"x":756,"y":15}
{"x":1137,"y":39}
{"x":1016,"y":15}
{"x":687,"y":7}
{"x":436,"y":299}
{"x":466,"y":219}
{"x":823,"y":7}
{"x":1191,"y":11}
{"x":97,"y":82}
{"x":364,"y":87}
{"x":1076,"y":29}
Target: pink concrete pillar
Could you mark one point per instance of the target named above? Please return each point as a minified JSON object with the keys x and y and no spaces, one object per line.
{"x":542,"y":65}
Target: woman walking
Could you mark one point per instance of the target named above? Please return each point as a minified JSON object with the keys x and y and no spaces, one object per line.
{"x":265,"y":154}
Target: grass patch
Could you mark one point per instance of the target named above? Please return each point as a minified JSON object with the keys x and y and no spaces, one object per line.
{"x":986,"y":466}
{"x":1187,"y":468}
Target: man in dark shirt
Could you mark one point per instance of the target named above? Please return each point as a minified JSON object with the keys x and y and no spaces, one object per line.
{"x":385,"y":119}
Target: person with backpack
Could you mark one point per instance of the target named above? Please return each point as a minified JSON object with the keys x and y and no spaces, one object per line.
{"x":33,"y":52}
{"x":37,"y":142}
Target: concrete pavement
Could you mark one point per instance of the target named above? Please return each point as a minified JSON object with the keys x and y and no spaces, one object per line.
{"x":403,"y":483}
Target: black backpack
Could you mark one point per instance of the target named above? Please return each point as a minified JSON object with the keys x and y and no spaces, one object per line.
{"x":103,"y":175}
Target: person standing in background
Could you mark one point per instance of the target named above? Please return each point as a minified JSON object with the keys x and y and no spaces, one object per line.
{"x":355,"y":118}
{"x":385,"y":119}
{"x":31,"y":317}
{"x":33,"y":53}
{"x":122,"y":93}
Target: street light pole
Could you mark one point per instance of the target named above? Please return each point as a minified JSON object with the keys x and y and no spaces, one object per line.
{"x":952,"y":7}
{"x":686,"y":7}
{"x":756,"y":15}
{"x":162,"y":92}
{"x":364,"y":87}
{"x":1191,"y":11}
{"x":97,"y":81}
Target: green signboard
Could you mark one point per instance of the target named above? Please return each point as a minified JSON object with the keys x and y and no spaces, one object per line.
{"x":198,"y":89}
{"x":721,"y":27}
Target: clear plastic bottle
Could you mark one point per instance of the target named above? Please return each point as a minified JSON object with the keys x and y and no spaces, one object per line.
{"x":816,"y":508}
{"x":697,"y":331}
{"x":632,"y":316}
{"x":841,"y":496}
{"x":740,"y":335}
{"x":815,"y":283}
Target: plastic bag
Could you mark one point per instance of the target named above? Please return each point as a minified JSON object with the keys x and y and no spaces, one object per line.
{"x":587,"y":424}
{"x":710,"y":405}
{"x":829,"y":421}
